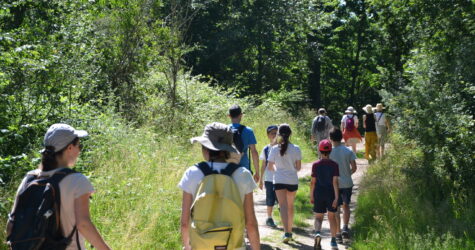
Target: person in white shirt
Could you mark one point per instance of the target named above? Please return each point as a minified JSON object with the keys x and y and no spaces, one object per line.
{"x":217,"y":145}
{"x":382,"y":128}
{"x":285,"y":159}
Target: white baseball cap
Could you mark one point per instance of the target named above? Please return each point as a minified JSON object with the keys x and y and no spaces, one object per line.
{"x":60,"y":135}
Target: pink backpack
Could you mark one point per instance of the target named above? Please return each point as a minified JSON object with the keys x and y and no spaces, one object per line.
{"x":350,"y":123}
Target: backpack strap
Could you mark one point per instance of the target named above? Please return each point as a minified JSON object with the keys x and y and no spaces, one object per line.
{"x":205,"y":168}
{"x":229,"y":169}
{"x":266,"y":153}
{"x":241,"y":128}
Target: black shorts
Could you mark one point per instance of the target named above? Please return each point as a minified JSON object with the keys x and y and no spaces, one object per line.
{"x":271,"y":198}
{"x":345,"y":196}
{"x":323,"y":202}
{"x":289,"y":187}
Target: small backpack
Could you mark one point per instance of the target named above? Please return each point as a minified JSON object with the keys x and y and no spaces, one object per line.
{"x":36,"y":215}
{"x":237,"y":138}
{"x":321,"y":122}
{"x":350,"y":123}
{"x":217,"y":213}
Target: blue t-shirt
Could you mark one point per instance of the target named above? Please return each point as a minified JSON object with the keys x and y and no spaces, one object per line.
{"x":248,"y":138}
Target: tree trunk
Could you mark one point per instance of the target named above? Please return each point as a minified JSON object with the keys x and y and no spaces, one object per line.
{"x":314,"y":77}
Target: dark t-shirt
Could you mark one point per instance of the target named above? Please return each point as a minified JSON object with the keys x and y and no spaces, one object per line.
{"x":324,"y":170}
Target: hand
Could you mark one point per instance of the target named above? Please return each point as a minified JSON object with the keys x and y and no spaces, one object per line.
{"x":256,"y":177}
{"x":335,"y":203}
{"x":311,"y":199}
{"x":188,"y":247}
{"x":261,"y":184}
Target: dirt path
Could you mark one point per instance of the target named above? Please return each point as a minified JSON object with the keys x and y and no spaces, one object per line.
{"x":271,"y":238}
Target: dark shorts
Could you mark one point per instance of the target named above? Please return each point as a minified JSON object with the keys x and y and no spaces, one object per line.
{"x":271,"y":198}
{"x":345,"y":196}
{"x":290,"y":188}
{"x":323,"y":202}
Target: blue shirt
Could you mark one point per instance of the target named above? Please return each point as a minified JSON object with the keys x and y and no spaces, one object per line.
{"x":248,"y":138}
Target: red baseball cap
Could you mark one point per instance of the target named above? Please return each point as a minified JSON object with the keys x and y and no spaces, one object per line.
{"x":325,"y":146}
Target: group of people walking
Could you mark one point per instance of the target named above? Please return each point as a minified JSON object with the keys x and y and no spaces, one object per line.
{"x":375,"y":123}
{"x":217,"y":202}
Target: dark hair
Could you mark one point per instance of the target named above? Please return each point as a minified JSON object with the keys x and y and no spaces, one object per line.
{"x":326,"y":153}
{"x":335,"y":134}
{"x":48,"y":156}
{"x":217,"y":155}
{"x":284,"y":132}
{"x":235,"y":111}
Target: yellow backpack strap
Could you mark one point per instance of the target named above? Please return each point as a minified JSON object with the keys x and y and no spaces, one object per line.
{"x":229,"y":169}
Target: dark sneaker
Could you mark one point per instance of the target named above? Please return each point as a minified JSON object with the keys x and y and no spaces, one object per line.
{"x":287,"y":237}
{"x":346,"y":235}
{"x":339,"y":239}
{"x":334,"y":245}
{"x":270,"y":223}
{"x":318,"y":240}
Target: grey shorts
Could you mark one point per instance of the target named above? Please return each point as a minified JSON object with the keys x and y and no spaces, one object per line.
{"x":382,"y":134}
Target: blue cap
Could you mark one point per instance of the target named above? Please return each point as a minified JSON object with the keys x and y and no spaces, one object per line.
{"x":271,"y":127}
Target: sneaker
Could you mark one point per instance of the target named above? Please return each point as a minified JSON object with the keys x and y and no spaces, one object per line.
{"x":287,"y":237}
{"x":339,"y":239}
{"x":334,"y":245}
{"x":318,"y":240}
{"x":346,"y":235}
{"x":270,"y":223}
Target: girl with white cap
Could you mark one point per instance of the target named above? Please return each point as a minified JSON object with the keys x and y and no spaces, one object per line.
{"x":349,"y":126}
{"x":61,"y":151}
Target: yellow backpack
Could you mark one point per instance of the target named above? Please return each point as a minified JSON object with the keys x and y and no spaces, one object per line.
{"x":217,"y":213}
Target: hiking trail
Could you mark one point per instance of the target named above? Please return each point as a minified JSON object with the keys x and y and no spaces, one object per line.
{"x":271,"y":238}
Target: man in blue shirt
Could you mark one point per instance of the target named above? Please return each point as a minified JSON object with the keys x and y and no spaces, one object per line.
{"x":248,"y":140}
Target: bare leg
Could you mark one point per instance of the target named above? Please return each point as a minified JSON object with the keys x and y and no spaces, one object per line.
{"x":290,"y":209}
{"x":338,"y":220}
{"x":282,"y":197}
{"x":332,"y":220}
{"x":353,"y":146}
{"x":346,"y":214}
{"x":269,"y":212}
{"x":318,"y":222}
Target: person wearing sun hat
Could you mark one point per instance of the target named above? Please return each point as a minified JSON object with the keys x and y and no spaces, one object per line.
{"x":349,"y":126}
{"x":371,"y":139}
{"x":217,"y":147}
{"x":60,"y":153}
{"x":382,"y":128}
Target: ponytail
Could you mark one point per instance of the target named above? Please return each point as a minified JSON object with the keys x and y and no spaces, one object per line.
{"x":284,"y":136}
{"x":49,"y":159}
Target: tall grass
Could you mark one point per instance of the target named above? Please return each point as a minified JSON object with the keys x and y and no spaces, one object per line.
{"x":400,"y":206}
{"x":135,"y":171}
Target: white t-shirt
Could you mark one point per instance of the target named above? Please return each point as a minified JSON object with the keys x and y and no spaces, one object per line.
{"x":71,"y":187}
{"x":193,"y":176}
{"x":380,"y":118}
{"x":285,"y":172}
{"x":268,"y":174}
{"x":345,"y":117}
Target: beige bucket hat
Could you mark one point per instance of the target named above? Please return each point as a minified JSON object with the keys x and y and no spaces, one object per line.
{"x":218,"y":137}
{"x":368,"y":109}
{"x":380,"y":107}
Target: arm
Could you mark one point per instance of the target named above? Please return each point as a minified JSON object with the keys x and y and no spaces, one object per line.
{"x":251,"y":222}
{"x":298,"y":165}
{"x":84,"y":223}
{"x":312,"y":188}
{"x":336,"y":190}
{"x":353,"y":166}
{"x":263,"y":169}
{"x":342,"y":126}
{"x":255,"y":161}
{"x":271,"y":166}
{"x":364,"y":121}
{"x":388,"y":124}
{"x":185,"y":219}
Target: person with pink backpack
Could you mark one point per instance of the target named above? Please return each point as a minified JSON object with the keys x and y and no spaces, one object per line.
{"x":349,"y":126}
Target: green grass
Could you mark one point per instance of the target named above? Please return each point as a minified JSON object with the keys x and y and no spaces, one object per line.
{"x":401,"y":206}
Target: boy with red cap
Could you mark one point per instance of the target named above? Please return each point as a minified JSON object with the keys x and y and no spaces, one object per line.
{"x":324,"y":192}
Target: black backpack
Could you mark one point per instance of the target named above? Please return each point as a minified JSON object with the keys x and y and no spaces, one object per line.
{"x":321,"y":122}
{"x":36,"y":215}
{"x":237,"y":138}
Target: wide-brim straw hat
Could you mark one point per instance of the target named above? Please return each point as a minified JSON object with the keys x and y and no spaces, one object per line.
{"x":380,"y":107}
{"x":350,"y":110}
{"x":368,"y":109}
{"x":218,"y":137}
